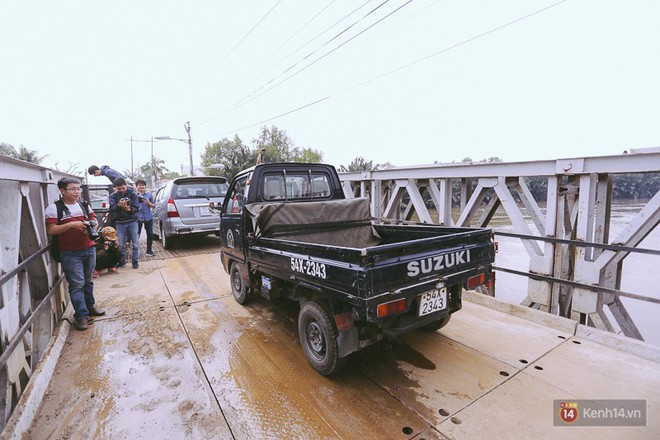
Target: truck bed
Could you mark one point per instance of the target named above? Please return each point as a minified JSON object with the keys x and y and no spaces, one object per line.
{"x":387,"y":258}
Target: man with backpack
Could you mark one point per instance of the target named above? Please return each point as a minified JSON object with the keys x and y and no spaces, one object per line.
{"x":69,"y":221}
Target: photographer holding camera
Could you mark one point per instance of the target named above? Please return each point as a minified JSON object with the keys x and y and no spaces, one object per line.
{"x":145,"y":217}
{"x":124,"y":205}
{"x":72,"y":222}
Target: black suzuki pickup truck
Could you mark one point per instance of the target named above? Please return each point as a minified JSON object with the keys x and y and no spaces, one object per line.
{"x":289,"y":232}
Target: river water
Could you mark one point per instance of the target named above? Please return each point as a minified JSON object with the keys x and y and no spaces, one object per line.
{"x":639,"y":270}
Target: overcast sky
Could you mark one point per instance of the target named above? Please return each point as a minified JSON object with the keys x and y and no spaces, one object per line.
{"x":431,"y":81}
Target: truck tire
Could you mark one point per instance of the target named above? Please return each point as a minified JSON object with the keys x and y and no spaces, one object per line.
{"x":318,"y":337}
{"x":238,"y":287}
{"x":436,"y":325}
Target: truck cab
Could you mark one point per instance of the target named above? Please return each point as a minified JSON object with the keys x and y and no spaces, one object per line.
{"x":270,"y":183}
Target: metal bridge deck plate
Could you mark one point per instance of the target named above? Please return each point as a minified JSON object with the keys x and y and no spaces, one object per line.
{"x":177,"y":357}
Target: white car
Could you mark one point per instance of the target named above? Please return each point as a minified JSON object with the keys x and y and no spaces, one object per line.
{"x":182,"y":208}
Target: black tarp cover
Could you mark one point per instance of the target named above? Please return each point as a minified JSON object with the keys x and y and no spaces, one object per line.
{"x":345,"y":223}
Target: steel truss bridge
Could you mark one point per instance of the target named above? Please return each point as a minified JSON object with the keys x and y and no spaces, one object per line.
{"x":575,"y":266}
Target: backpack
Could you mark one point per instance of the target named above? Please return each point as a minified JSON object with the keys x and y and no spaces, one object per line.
{"x":54,"y":248}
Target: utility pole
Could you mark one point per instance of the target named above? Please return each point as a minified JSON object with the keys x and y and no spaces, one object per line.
{"x":187,"y":127}
{"x":142,"y":140}
{"x":153,"y":162}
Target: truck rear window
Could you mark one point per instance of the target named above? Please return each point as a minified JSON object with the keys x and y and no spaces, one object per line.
{"x":296,"y":186}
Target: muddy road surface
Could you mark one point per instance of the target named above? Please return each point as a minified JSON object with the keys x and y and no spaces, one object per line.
{"x":176,"y":357}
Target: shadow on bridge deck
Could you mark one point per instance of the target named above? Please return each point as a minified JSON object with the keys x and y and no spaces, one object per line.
{"x":177,"y":357}
{"x":184,"y":247}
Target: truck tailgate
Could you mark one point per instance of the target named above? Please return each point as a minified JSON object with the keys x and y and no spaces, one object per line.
{"x":381,"y":269}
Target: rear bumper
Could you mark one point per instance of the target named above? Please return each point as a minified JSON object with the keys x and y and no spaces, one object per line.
{"x":409,"y":321}
{"x":201,"y":229}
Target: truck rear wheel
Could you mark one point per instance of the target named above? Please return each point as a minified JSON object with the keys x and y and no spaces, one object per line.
{"x":318,"y":337}
{"x":238,"y":287}
{"x":436,"y":325}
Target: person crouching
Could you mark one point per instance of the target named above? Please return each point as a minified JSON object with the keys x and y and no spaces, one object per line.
{"x":108,"y":253}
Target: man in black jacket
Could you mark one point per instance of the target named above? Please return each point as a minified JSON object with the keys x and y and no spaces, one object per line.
{"x":124,"y":206}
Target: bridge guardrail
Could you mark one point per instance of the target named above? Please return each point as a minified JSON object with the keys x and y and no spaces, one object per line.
{"x":32,"y":295}
{"x":577,"y":209}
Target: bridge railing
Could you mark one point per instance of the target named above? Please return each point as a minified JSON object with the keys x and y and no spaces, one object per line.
{"x":32,"y":298}
{"x":576,"y":281}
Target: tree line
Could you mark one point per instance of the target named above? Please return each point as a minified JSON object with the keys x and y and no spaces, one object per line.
{"x":274,"y":145}
{"x":271,"y":145}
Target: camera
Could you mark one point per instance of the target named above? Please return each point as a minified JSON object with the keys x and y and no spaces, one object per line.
{"x":126,"y":200}
{"x":140,"y":198}
{"x":91,"y":229}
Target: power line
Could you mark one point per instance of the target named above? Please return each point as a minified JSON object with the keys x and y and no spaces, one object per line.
{"x":447,"y":49}
{"x":405,"y":66}
{"x":284,"y":114}
{"x":289,"y":55}
{"x":272,"y":54}
{"x":250,"y":96}
{"x":336,"y":48}
{"x":419,"y":11}
{"x":323,"y":31}
{"x":240,"y":41}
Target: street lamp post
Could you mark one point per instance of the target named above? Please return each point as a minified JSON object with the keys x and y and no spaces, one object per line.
{"x":187,"y":141}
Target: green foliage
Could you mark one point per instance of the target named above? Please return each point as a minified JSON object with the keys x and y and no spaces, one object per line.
{"x":624,"y":186}
{"x":146,"y":172}
{"x":23,"y":153}
{"x":635,"y":186}
{"x":233,"y":155}
{"x":135,"y":174}
{"x":538,"y":186}
{"x":359,"y":164}
{"x":8,"y":150}
{"x":153,"y":171}
{"x":30,"y":155}
{"x":279,"y":147}
{"x":170,"y":175}
{"x":309,"y":155}
{"x":492,"y":159}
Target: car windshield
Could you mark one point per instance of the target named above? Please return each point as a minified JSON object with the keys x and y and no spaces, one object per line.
{"x":194,"y":190}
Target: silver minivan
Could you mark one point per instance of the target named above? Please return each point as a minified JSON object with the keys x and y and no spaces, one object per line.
{"x":182,"y":208}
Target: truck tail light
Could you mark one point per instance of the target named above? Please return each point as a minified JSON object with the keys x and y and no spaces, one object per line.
{"x":476,"y":280}
{"x":344,"y":321}
{"x":171,"y":209}
{"x":391,"y":308}
{"x":490,"y":284}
